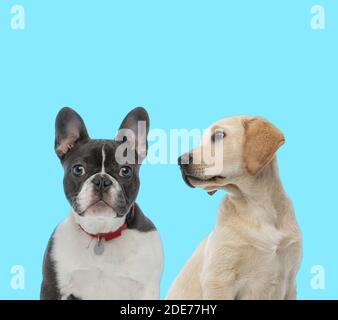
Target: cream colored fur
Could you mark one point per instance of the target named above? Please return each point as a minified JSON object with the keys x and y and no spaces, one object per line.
{"x":254,"y":250}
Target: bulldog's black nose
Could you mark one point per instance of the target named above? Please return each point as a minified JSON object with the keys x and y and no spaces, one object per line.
{"x":185,"y":160}
{"x":102,"y":183}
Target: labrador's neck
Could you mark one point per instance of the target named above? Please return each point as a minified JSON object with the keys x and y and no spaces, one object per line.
{"x":261,"y":198}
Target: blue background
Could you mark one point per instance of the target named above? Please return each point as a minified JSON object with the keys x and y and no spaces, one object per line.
{"x":189,"y":63}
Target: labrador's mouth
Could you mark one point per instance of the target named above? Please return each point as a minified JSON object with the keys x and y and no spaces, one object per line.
{"x":193,"y":181}
{"x":186,"y":180}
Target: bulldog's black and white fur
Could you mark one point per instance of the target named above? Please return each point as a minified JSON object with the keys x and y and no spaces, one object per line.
{"x":102,"y":192}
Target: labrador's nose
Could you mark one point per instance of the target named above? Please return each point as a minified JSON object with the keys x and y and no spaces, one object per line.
{"x":185,"y":160}
{"x":102,"y":183}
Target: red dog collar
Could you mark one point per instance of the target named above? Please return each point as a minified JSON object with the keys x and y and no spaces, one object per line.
{"x":110,"y":235}
{"x":107,"y":236}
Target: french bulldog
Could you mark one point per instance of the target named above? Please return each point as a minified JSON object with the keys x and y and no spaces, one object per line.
{"x":106,"y":249}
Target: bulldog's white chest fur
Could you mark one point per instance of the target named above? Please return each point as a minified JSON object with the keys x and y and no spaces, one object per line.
{"x":130,"y":267}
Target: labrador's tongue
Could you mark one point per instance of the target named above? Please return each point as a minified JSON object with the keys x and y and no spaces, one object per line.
{"x":211,"y":193}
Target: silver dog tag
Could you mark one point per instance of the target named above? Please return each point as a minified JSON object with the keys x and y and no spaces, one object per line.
{"x":99,"y":247}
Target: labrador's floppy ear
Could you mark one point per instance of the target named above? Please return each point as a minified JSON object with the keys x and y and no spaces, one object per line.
{"x":262,"y":140}
{"x":135,"y":129}
{"x":70,"y":130}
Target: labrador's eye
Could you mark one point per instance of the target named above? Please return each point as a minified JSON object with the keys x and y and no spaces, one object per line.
{"x":125,"y":172}
{"x":218,"y":135}
{"x":79,"y":170}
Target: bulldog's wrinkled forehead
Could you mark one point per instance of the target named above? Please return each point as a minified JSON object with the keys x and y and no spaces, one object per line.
{"x":96,"y":153}
{"x":71,"y":137}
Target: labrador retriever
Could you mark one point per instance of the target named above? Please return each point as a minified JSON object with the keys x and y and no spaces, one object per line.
{"x":255,"y":249}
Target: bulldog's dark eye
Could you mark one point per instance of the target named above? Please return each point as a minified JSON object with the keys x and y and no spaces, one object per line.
{"x":218,"y":135}
{"x":125,"y":172}
{"x":78,"y":170}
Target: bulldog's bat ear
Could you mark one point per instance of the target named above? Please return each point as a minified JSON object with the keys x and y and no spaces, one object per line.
{"x":262,"y":140}
{"x":70,"y":130}
{"x":135,"y":129}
